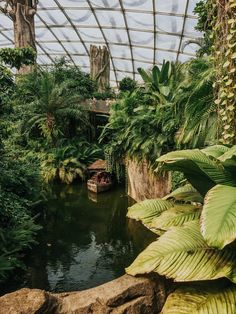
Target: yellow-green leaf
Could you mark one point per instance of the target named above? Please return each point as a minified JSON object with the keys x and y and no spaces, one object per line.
{"x":182,"y":254}
{"x":218,"y":219}
{"x":202,"y":299}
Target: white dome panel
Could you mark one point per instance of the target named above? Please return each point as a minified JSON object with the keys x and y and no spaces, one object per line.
{"x":138,"y":33}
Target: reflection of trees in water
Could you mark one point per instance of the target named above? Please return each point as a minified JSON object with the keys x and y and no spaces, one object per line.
{"x":139,"y":235}
{"x":84,"y":243}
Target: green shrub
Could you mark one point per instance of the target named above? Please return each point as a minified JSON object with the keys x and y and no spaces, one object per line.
{"x":127,"y":84}
{"x":16,"y":57}
{"x":143,"y":124}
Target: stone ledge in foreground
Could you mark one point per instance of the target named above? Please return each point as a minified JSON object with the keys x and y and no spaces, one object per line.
{"x":124,"y":295}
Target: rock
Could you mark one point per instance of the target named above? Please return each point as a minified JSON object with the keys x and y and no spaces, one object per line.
{"x":27,"y":301}
{"x":125,"y":295}
{"x":144,"y":183}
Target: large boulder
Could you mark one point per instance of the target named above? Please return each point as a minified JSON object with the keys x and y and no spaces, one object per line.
{"x":125,"y":295}
{"x":27,"y":301}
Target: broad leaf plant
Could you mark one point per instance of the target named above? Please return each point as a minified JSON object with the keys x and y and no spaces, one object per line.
{"x":196,"y":225}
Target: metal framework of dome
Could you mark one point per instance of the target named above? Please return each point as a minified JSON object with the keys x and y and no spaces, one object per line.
{"x":137,"y":33}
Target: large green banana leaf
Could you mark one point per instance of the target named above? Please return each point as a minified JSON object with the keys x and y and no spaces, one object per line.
{"x":215,"y":150}
{"x":228,"y":159}
{"x":182,"y":254}
{"x":229,"y":154}
{"x":202,"y":171}
{"x":176,"y":216}
{"x":210,"y":299}
{"x":185,"y":193}
{"x":218,"y":220}
{"x":147,"y":210}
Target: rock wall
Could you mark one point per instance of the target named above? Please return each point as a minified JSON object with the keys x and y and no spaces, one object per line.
{"x":125,"y":295}
{"x":144,"y":184}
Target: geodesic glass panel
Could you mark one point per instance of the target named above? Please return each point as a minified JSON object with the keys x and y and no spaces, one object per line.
{"x":138,"y":33}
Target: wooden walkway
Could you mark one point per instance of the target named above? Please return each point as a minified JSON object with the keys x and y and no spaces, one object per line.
{"x":98,"y":106}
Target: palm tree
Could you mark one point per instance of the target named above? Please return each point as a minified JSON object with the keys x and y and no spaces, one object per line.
{"x":50,"y":107}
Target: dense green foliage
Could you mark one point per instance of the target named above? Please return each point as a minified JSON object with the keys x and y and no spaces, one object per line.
{"x":17,"y":57}
{"x":44,"y":136}
{"x":174,"y":108}
{"x":48,"y":120}
{"x":143,"y":124}
{"x":19,"y":189}
{"x":196,"y":222}
{"x":127,"y":84}
{"x":199,"y":124}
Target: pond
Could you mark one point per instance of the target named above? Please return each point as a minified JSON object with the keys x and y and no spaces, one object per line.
{"x":86,"y":240}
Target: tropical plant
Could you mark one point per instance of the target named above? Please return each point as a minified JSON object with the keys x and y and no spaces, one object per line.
{"x":50,"y":110}
{"x":6,"y":79}
{"x":68,"y":163}
{"x":195,"y":100}
{"x":80,"y":83}
{"x":198,"y":299}
{"x":66,"y":170}
{"x":196,"y":223}
{"x":143,"y":124}
{"x":159,"y":80}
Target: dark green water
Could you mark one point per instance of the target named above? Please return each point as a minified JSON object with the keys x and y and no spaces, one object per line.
{"x":86,"y":240}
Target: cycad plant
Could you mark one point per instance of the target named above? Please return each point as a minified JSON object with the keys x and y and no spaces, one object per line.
{"x":49,"y":107}
{"x":197,"y":229}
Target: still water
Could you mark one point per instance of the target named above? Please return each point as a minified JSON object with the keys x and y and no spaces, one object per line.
{"x":86,"y":240}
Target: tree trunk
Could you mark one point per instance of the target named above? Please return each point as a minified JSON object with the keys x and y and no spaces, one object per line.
{"x":100,"y":66}
{"x":22,"y":14}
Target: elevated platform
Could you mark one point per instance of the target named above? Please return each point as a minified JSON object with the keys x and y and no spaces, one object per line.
{"x":98,"y":106}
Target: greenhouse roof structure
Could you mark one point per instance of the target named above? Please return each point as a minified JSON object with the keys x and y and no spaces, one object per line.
{"x":137,"y":33}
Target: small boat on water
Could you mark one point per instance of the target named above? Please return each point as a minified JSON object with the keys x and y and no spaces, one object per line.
{"x":100,"y":182}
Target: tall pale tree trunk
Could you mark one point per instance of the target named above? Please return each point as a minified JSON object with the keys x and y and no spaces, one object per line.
{"x":100,"y":66}
{"x":24,"y":30}
{"x":22,"y":14}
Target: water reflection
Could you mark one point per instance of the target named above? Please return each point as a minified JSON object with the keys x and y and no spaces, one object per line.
{"x":86,"y":240}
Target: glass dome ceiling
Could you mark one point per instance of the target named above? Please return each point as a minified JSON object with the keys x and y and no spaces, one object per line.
{"x":137,"y":33}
